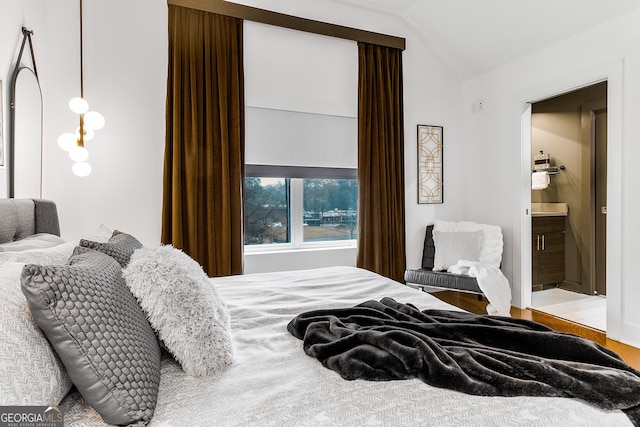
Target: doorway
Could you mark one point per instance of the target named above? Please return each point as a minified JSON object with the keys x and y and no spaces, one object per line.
{"x":569,"y":133}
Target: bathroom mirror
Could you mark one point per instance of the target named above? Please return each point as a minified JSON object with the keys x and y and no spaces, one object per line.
{"x":25,"y":145}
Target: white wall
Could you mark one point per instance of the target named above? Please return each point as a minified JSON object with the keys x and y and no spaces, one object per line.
{"x":15,"y":14}
{"x":125,"y":63}
{"x":494,"y":157}
{"x":431,"y":97}
{"x":294,"y":260}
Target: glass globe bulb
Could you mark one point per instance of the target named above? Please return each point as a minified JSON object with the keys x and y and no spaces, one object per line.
{"x":81,"y":168}
{"x":88,"y":134}
{"x":67,"y":141}
{"x":79,"y":154}
{"x":94,"y":120}
{"x":79,"y":105}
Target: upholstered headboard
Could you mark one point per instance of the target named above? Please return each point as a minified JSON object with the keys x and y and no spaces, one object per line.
{"x":20,"y":218}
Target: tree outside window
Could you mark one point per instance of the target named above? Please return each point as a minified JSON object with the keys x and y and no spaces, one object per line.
{"x":329,"y":210}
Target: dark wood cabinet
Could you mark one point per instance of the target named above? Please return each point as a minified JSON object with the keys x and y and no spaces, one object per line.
{"x":548,"y":250}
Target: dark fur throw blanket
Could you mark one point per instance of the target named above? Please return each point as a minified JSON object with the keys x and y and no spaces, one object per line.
{"x":481,"y":355}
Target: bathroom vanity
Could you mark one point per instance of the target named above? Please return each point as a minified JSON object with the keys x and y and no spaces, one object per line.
{"x":548,"y":240}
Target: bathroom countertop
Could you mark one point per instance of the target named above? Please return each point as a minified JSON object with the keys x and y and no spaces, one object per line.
{"x":549,"y":209}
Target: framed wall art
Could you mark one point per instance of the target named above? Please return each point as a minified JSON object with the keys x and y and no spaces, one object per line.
{"x":430,"y":163}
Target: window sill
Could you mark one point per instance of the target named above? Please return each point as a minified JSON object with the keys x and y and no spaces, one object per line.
{"x":287,"y":248}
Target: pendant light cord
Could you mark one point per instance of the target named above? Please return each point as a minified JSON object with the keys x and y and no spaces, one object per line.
{"x":90,"y":121}
{"x":81,"y":56}
{"x":82,"y":131}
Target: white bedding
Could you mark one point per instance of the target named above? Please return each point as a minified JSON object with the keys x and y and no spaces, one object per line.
{"x":35,"y":241}
{"x":272,"y":382}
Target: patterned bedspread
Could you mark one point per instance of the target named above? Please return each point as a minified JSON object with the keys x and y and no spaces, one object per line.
{"x":274,"y":383}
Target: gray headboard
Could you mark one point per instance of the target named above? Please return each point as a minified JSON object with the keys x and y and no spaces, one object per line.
{"x":20,"y":218}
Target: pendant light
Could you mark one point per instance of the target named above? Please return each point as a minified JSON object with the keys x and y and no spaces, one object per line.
{"x":90,"y":121}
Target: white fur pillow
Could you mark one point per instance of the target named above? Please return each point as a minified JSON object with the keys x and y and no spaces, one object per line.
{"x":453,"y":246}
{"x":183,"y":307}
{"x":491,"y":246}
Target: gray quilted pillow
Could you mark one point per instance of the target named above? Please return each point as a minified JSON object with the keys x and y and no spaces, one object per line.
{"x":99,"y":332}
{"x":120,"y":246}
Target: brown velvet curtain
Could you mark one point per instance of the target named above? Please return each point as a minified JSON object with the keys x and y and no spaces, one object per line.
{"x":381,"y":209}
{"x":204,"y":152}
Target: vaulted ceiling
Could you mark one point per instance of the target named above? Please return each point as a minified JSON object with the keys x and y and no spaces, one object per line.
{"x":472,"y":37}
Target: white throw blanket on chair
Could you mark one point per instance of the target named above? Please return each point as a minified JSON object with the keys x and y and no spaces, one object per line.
{"x":491,"y":282}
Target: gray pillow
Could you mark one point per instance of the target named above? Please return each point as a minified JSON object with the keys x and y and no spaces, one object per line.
{"x":99,"y":332}
{"x":183,"y":307}
{"x":120,"y":246}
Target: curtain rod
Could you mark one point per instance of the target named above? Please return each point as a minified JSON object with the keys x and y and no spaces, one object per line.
{"x":263,"y":16}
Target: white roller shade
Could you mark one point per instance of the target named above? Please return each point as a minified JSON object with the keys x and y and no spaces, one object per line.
{"x":301,"y":98}
{"x":287,"y":138}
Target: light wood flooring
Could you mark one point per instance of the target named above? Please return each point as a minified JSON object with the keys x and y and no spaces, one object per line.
{"x":469,"y":302}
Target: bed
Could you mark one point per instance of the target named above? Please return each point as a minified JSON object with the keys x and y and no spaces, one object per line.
{"x":272,"y":382}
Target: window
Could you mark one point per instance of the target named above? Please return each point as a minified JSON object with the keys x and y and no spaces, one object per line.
{"x":266,"y":211}
{"x":301,"y":139}
{"x":298,"y":210}
{"x":330,"y":209}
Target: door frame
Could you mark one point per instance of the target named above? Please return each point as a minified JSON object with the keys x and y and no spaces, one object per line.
{"x":599,"y":229}
{"x":611,"y":72}
{"x":588,"y":132}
